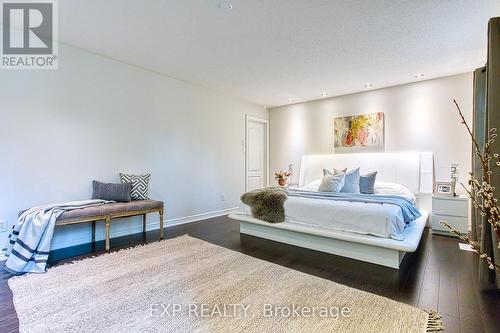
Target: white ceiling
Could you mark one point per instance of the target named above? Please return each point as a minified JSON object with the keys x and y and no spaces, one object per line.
{"x":269,"y":51}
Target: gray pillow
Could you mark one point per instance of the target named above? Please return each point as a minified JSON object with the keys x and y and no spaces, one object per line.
{"x":332,"y":183}
{"x":351,"y":183}
{"x":328,"y":172}
{"x":113,"y":192}
{"x":367,"y":183}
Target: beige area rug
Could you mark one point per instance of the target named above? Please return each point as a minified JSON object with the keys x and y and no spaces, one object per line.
{"x":188,"y":285}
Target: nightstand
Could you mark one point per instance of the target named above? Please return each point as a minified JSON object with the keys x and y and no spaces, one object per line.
{"x":454,"y":210}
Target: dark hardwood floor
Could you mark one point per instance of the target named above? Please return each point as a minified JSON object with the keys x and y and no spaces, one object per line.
{"x":437,"y":276}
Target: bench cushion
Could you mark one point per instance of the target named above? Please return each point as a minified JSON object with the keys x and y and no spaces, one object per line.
{"x":110,"y":209}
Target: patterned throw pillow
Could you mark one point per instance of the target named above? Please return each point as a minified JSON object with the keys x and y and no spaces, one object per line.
{"x":336,"y":171}
{"x":332,"y":183}
{"x":140,"y":185}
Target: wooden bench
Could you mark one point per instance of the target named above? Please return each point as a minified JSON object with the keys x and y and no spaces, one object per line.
{"x":111,"y":211}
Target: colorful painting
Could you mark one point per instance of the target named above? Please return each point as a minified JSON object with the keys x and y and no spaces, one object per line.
{"x":365,"y":132}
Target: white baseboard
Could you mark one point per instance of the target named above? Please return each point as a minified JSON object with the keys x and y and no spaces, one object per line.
{"x":197,"y":217}
{"x":138,"y":228}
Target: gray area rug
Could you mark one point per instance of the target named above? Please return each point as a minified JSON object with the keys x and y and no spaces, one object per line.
{"x":188,"y":285}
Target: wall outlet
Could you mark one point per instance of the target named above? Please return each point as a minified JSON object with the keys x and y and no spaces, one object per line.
{"x":3,"y":225}
{"x":2,"y":254}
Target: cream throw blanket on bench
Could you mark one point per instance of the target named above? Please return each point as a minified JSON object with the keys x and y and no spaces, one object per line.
{"x":30,"y":239}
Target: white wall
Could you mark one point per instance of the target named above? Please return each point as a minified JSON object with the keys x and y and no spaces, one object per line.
{"x":95,"y":117}
{"x":418,"y":117}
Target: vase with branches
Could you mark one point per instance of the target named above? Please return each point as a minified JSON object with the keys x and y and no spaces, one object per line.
{"x":481,"y":192}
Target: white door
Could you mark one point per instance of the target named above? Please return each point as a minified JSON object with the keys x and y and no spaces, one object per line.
{"x":257,"y":148}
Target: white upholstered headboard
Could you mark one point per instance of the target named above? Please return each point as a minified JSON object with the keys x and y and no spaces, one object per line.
{"x":413,"y":170}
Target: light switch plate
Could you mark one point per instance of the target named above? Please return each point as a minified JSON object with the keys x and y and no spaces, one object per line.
{"x":2,"y":255}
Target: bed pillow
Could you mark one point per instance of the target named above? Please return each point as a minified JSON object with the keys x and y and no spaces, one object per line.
{"x":332,"y":183}
{"x":328,"y":172}
{"x":312,"y":186}
{"x":367,"y":183}
{"x":393,"y":189}
{"x":140,"y":185}
{"x":351,"y":183}
{"x":113,"y":192}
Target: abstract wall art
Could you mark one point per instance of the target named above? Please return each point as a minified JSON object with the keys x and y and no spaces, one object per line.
{"x":364,"y":132}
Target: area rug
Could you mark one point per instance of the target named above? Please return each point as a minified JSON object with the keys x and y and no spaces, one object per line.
{"x":188,"y":285}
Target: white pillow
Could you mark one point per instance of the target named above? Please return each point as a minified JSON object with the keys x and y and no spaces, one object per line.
{"x":312,"y":186}
{"x":393,"y":189}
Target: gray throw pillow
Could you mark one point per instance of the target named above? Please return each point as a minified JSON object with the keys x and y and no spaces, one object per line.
{"x":113,"y":192}
{"x":328,"y":172}
{"x":367,"y":183}
{"x":351,"y":183}
{"x":332,"y":183}
{"x":140,"y":185}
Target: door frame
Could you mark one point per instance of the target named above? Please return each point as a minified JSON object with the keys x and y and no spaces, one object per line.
{"x":249,"y":118}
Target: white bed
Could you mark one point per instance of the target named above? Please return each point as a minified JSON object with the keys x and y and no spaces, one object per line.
{"x":364,"y":231}
{"x":357,"y":217}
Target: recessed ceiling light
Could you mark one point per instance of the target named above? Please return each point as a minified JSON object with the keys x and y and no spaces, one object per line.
{"x":419,"y":75}
{"x":225,"y":5}
{"x":290,"y":100}
{"x":368,"y":85}
{"x":324,"y":94}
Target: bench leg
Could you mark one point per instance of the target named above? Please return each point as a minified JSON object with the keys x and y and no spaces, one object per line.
{"x":93,"y":232}
{"x":108,"y":220}
{"x":144,"y":223}
{"x":161,"y":224}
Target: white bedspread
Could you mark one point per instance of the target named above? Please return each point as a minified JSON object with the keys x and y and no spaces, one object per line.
{"x":357,"y":217}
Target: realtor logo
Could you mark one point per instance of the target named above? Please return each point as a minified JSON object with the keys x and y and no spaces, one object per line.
{"x":29,"y":32}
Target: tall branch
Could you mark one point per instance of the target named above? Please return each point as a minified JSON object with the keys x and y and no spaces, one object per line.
{"x":489,"y":206}
{"x":476,"y":145}
{"x":482,"y":255}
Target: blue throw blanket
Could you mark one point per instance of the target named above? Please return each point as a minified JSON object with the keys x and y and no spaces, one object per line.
{"x":410,"y":211}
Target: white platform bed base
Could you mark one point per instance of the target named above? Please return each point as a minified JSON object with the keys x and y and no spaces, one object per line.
{"x":377,"y":250}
